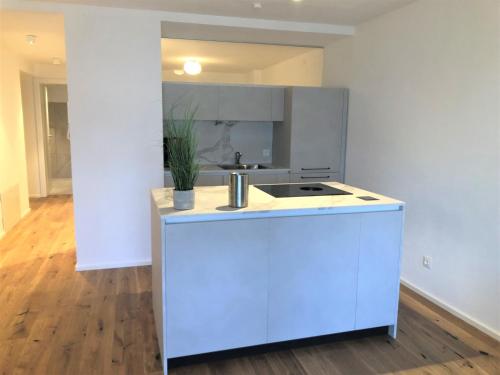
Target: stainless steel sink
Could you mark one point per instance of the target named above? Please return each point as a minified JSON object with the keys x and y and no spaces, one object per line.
{"x":242,"y":166}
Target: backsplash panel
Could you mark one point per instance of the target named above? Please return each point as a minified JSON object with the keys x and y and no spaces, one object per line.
{"x":218,"y":141}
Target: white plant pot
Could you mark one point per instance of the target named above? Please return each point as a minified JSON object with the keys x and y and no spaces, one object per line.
{"x":184,"y":200}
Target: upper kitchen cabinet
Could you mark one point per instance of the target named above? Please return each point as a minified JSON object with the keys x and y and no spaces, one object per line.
{"x":225,"y":103}
{"x":315,"y":126}
{"x":181,"y":96}
{"x":245,"y":103}
{"x":277,"y":103}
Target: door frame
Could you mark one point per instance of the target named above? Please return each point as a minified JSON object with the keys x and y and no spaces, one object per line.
{"x":42,"y":146}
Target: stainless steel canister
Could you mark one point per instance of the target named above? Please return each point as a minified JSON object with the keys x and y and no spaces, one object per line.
{"x":238,"y":190}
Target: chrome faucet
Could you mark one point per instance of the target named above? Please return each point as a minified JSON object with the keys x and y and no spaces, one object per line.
{"x":237,"y":157}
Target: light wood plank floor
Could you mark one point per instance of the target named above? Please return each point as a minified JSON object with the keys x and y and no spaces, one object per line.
{"x":54,"y":321}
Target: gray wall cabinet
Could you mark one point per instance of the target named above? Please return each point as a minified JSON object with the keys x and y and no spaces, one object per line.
{"x":277,"y":103}
{"x":180,"y":97}
{"x":237,"y":103}
{"x":315,"y":125}
{"x":226,"y":103}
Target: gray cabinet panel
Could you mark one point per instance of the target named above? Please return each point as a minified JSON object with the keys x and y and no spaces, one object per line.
{"x":244,"y":103}
{"x":315,"y":177}
{"x":216,"y":291}
{"x":267,"y":178}
{"x":313,"y":275}
{"x":277,"y":103}
{"x":168,"y":180}
{"x":264,"y":178}
{"x":181,"y":96}
{"x":230,"y":103}
{"x":210,"y":180}
{"x":318,"y":121}
{"x":379,"y":260}
{"x":203,"y":180}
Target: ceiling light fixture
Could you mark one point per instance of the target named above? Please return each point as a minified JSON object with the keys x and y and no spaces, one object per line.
{"x":192,"y":67}
{"x":257,"y":5}
{"x":56,"y":61}
{"x":297,"y":1}
{"x":30,"y":39}
{"x":178,"y":72}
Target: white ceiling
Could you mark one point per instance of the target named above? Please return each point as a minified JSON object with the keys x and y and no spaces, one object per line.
{"x":49,"y":29}
{"x":225,"y":57}
{"x":341,"y":12}
{"x":180,"y":30}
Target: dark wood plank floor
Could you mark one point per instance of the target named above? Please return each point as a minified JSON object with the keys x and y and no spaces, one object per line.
{"x":54,"y":320}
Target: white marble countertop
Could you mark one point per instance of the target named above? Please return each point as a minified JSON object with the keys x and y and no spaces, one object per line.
{"x":211,"y":204}
{"x":215,"y":170}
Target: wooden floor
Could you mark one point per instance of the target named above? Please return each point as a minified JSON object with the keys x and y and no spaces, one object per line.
{"x":54,"y":321}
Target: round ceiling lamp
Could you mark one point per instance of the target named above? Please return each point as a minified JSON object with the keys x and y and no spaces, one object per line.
{"x":192,"y":67}
{"x":178,"y":72}
{"x":30,"y":39}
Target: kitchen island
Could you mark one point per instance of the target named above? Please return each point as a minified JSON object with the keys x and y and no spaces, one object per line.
{"x":280,"y":269}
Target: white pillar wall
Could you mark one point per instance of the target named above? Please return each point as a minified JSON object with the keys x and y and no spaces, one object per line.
{"x":424,"y":127}
{"x":115,"y":116}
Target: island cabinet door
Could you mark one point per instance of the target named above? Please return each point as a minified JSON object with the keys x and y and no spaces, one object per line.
{"x":312,"y":276}
{"x":379,"y":263}
{"x":216,"y":285}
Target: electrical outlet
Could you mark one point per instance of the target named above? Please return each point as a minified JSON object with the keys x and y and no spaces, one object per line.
{"x":266,"y":152}
{"x":427,"y":261}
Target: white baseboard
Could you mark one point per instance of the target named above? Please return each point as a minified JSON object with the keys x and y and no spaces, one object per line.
{"x":456,"y":312}
{"x":25,"y":213}
{"x":103,"y":266}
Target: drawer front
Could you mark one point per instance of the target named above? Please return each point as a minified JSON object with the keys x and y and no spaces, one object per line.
{"x":210,"y":180}
{"x":267,"y":178}
{"x":203,"y":180}
{"x":315,"y":177}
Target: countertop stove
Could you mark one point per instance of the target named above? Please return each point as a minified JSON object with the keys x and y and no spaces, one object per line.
{"x":300,"y":190}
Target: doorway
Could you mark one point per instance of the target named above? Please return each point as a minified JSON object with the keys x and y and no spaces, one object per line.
{"x":57,"y":138}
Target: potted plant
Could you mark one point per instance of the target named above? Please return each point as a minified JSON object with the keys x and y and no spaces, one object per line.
{"x":182,"y":143}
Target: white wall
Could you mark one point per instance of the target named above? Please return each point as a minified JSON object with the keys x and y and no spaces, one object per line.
{"x":115,"y":116}
{"x":49,"y":71}
{"x":423,"y":127}
{"x":302,"y":70}
{"x":114,"y":74}
{"x":31,"y":136}
{"x":208,"y":77}
{"x":14,"y":201}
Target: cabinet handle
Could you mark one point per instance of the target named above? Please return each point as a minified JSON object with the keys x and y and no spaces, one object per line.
{"x":306,"y":177}
{"x":316,"y":169}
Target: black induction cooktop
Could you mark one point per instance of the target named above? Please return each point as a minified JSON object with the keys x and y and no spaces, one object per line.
{"x":300,"y":190}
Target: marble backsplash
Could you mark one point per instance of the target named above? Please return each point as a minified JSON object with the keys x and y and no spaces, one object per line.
{"x":218,"y":141}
